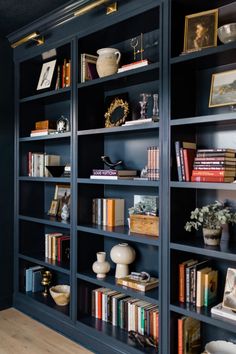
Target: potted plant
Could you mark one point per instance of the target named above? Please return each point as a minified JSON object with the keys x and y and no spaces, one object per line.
{"x":211,"y":218}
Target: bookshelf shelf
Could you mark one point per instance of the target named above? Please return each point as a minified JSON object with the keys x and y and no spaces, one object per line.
{"x":119,"y":232}
{"x":117,"y":130}
{"x":109,"y":282}
{"x":45,"y":219}
{"x":204,"y":315}
{"x":49,"y":95}
{"x":57,"y":266}
{"x":213,"y":119}
{"x":119,"y":182}
{"x":204,"y":185}
{"x":45,"y":137}
{"x":45,"y":179}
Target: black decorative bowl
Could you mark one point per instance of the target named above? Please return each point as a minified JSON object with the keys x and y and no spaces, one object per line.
{"x":56,"y":171}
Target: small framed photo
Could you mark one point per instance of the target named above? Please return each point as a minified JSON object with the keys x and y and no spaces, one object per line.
{"x":200,"y":31}
{"x":223,"y":89}
{"x":54,"y":207}
{"x":46,"y":75}
{"x":62,"y":195}
{"x":229,"y":299}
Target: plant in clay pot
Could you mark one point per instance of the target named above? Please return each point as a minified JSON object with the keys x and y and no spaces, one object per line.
{"x":210,"y":218}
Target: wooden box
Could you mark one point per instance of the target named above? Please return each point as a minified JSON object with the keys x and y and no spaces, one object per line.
{"x":144,"y":224}
{"x":45,"y":124}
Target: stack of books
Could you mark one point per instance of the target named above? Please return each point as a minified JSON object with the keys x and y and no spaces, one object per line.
{"x":57,"y":247}
{"x":134,"y":65}
{"x":44,"y":127}
{"x":137,"y":122}
{"x":63,"y":75}
{"x":33,"y":277}
{"x":108,"y":212}
{"x":198,"y":283}
{"x":37,"y":162}
{"x":129,"y":282}
{"x":214,"y":165}
{"x":185,"y":153}
{"x":113,"y":174}
{"x":123,"y":311}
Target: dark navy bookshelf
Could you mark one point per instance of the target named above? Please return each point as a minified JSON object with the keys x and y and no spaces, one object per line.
{"x":48,"y":263}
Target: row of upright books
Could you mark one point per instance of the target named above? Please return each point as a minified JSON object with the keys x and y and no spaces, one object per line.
{"x":198,"y":282}
{"x":33,"y":277}
{"x":153,"y":169}
{"x":214,"y":165}
{"x":123,"y":311}
{"x":108,"y":212}
{"x":57,"y":247}
{"x":185,"y":154}
{"x":63,"y":75}
{"x":37,"y":162}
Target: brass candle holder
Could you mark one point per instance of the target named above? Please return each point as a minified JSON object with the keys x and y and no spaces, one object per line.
{"x":46,"y":281}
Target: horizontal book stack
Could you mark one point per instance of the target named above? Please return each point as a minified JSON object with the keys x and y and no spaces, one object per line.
{"x":198,"y":283}
{"x":123,"y":311}
{"x":33,"y":277}
{"x":137,"y":122}
{"x":189,"y":335}
{"x":37,"y":162}
{"x":185,"y":153}
{"x":214,"y":165}
{"x":57,"y":247}
{"x":108,"y":212}
{"x":153,"y":168}
{"x":44,"y":127}
{"x":134,"y":65}
{"x":139,"y":285}
{"x":88,"y":67}
{"x":63,"y":75}
{"x":113,"y":174}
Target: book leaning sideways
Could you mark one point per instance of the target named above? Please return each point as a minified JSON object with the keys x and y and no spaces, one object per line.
{"x":138,"y":285}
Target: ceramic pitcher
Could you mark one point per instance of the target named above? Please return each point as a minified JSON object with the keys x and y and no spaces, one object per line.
{"x":108,"y":61}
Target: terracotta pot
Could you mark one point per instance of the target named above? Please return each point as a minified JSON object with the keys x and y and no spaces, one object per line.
{"x":107,"y":62}
{"x":101,"y":266}
{"x":212,"y":237}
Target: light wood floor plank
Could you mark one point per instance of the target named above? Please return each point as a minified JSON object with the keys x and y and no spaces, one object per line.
{"x":19,"y":334}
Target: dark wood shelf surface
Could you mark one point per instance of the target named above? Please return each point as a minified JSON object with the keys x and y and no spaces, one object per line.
{"x":120,"y":232}
{"x":45,"y":179}
{"x":114,"y":332}
{"x":46,"y":220}
{"x":120,"y":76}
{"x":44,"y":95}
{"x":129,"y":129}
{"x":212,"y":119}
{"x":45,"y":137}
{"x":110,"y":282}
{"x":204,"y":314}
{"x":203,"y":185}
{"x":39,"y":299}
{"x":46,"y":262}
{"x":124,"y":182}
{"x":196,"y":245}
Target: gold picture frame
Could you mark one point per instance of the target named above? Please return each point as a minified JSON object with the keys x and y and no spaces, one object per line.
{"x":223,"y":89}
{"x":116,"y":113}
{"x":200,"y":31}
{"x":54,"y":207}
{"x":62,"y":195}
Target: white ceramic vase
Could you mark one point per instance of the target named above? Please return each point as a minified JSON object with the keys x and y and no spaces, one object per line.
{"x":122,"y":254}
{"x":108,"y":61}
{"x":101,"y":267}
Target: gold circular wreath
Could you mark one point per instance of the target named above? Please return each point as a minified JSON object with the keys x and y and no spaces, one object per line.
{"x":116,"y":103}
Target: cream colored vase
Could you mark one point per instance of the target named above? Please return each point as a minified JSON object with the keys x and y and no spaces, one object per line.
{"x":108,"y":61}
{"x":122,"y":254}
{"x":101,"y":267}
{"x":212,"y":237}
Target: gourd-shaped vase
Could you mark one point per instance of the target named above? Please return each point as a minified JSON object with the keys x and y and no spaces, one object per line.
{"x":122,"y":254}
{"x":101,"y":267}
{"x":108,"y":61}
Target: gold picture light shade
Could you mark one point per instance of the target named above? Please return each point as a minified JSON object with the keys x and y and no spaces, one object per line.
{"x":111,"y":8}
{"x":32,"y":36}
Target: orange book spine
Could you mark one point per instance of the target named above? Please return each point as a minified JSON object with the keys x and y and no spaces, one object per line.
{"x":68,"y":74}
{"x":99,"y":305}
{"x":110,"y":212}
{"x":209,"y":173}
{"x":180,"y":336}
{"x":63,"y":79}
{"x":181,"y":282}
{"x":157,"y":325}
{"x":211,"y":179}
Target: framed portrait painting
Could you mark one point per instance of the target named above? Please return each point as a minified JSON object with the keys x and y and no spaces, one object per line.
{"x":46,"y":75}
{"x":223,"y":89}
{"x":62,"y":194}
{"x":200,"y":31}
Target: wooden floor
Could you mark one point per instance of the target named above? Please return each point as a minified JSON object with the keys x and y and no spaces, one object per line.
{"x":19,"y":334}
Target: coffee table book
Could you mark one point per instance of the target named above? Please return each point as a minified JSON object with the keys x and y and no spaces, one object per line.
{"x":138,"y":285}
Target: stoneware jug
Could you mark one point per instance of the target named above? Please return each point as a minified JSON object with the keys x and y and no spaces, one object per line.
{"x":108,"y":61}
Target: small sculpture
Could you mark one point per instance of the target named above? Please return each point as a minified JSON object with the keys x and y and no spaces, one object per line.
{"x":155,"y":110}
{"x":109,"y":163}
{"x":63,"y":125}
{"x":143,"y":104}
{"x":143,"y":340}
{"x":46,"y":281}
{"x":65,"y":212}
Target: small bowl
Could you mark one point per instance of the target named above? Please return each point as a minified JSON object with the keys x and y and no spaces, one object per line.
{"x":56,"y":171}
{"x":220,"y":347}
{"x":227,"y":33}
{"x":60,"y":294}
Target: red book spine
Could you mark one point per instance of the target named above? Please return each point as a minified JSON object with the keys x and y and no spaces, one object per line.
{"x":182,"y":282}
{"x":209,"y":173}
{"x":211,"y":179}
{"x":99,"y":305}
{"x":180,"y":336}
{"x":30,"y":164}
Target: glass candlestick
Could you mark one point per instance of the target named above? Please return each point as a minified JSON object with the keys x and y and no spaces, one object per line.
{"x":144,"y":104}
{"x":155,"y":110}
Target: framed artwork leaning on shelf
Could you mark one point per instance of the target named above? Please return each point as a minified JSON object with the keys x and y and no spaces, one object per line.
{"x":46,"y":75}
{"x":62,"y":195}
{"x":229,"y":300}
{"x":53,"y":207}
{"x":200,"y":31}
{"x":223,"y":89}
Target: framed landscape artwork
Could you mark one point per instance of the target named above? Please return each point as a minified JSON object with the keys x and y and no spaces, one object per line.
{"x":223,"y":89}
{"x":200,"y":31}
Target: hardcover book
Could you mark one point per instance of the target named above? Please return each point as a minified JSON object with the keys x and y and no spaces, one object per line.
{"x":138,"y":285}
{"x":211,"y":285}
{"x":134,"y":65}
{"x":189,"y":336}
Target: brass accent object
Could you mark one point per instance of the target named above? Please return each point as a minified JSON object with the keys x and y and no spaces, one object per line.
{"x":112,"y":8}
{"x":32,"y":36}
{"x":134,"y":42}
{"x":116,"y":114}
{"x":83,"y":10}
{"x":46,"y":281}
